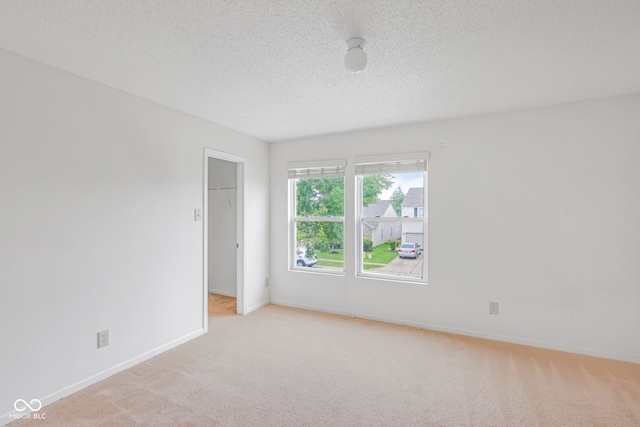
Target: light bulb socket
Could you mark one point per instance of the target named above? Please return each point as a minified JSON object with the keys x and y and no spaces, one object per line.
{"x":355,"y":42}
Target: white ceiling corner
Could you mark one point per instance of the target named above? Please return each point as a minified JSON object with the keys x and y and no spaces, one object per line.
{"x":274,"y":69}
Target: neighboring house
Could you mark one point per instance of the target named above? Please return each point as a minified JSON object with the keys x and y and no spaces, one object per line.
{"x":413,"y":207}
{"x":381,"y":232}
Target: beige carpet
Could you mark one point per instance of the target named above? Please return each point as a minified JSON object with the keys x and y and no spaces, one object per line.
{"x":287,"y":367}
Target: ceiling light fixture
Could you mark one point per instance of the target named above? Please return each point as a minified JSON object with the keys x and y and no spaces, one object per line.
{"x":355,"y":60}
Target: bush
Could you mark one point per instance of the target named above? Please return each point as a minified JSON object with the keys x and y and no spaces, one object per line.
{"x":393,"y":244}
{"x":321,"y":246}
{"x":310,"y":252}
{"x":367,"y":244}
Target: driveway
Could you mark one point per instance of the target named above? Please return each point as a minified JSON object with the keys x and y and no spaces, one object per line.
{"x":402,"y":267}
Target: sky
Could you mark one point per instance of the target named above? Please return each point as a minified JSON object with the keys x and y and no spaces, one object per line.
{"x":405,"y":180}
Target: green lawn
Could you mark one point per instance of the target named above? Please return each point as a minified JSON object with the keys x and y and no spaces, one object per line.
{"x":326,"y":259}
{"x":379,"y":255}
{"x":334,"y":264}
{"x":326,"y":255}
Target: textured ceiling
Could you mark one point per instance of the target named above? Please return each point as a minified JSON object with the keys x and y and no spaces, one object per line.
{"x":274,"y":68}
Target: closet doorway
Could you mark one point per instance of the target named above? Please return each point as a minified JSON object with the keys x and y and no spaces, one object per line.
{"x":223,"y":234}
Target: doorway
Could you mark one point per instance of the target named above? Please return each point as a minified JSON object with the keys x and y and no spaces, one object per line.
{"x":223,"y":234}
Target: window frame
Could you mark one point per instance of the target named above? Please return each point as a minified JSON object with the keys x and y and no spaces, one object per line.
{"x":403,"y":161}
{"x":294,"y":218}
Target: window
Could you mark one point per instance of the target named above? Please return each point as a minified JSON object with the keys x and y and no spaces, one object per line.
{"x":392,"y":196}
{"x":387,"y":220}
{"x":317,"y":216}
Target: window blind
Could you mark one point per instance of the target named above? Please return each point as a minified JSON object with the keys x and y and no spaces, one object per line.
{"x":300,"y":170}
{"x":370,"y":168}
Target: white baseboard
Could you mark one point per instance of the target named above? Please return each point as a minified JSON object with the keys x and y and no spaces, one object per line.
{"x":314,"y":308}
{"x":466,"y":332}
{"x":534,"y":343}
{"x":69,"y":390}
{"x":222,"y":292}
{"x":257,"y":306}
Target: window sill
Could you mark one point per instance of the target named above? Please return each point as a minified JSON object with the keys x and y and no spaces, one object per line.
{"x":322,"y":271}
{"x":391,"y":278}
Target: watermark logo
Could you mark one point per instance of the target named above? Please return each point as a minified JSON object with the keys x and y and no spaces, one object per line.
{"x":33,"y":406}
{"x":21,"y":405}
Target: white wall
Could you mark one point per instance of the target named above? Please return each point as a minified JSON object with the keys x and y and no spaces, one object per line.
{"x":538,"y":210}
{"x":97,"y":191}
{"x":223,"y":209}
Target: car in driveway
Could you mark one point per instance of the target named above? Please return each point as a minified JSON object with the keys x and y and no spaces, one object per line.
{"x":302,"y":260}
{"x":409,"y":250}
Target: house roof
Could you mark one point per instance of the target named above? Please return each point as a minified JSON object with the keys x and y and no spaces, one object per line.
{"x":414,"y":197}
{"x":377,"y":208}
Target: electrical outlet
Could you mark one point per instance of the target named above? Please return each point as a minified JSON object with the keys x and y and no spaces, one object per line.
{"x":493,"y":308}
{"x":103,"y":338}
